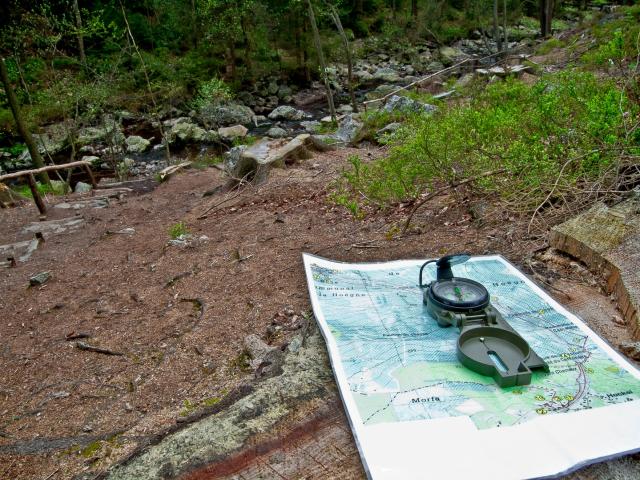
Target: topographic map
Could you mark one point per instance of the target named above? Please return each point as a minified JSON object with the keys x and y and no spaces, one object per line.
{"x":401,"y":366}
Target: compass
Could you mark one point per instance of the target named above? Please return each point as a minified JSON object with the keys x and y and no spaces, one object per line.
{"x":487,"y":343}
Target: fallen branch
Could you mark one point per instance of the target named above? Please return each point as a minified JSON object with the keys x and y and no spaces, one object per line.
{"x":90,"y":348}
{"x":76,"y":336}
{"x":444,"y":189}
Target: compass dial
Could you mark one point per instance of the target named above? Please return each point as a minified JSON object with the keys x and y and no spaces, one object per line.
{"x":460,"y":292}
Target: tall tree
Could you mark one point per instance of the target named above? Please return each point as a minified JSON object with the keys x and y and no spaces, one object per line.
{"x":76,"y":11}
{"x":496,"y":29}
{"x":321,"y":60}
{"x":20,"y":123}
{"x":333,"y":13}
{"x":546,"y":15}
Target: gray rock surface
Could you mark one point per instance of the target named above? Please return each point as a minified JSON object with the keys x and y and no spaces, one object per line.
{"x":286,"y":112}
{"x":277,"y":132}
{"x":311,"y":126}
{"x":187,"y":132}
{"x":224,"y":115}
{"x":386,"y":74}
{"x":82,"y":187}
{"x":231,"y":133}
{"x":349,"y":129}
{"x":39,"y":279}
{"x":266,"y":360}
{"x":396,"y":103}
{"x":305,"y":374}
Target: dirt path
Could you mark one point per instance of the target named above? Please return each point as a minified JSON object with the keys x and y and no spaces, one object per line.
{"x":179,"y":314}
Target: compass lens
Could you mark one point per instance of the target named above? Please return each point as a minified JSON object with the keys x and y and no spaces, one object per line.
{"x":460,"y":291}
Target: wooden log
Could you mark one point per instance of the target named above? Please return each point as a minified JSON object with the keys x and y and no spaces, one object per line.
{"x":92,"y":178}
{"x":36,"y":194}
{"x":48,"y":168}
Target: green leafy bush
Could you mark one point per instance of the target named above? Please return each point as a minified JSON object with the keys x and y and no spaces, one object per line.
{"x":214,"y":90}
{"x":570,"y":123}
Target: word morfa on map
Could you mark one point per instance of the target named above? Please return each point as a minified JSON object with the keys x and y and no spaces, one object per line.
{"x":416,"y":406}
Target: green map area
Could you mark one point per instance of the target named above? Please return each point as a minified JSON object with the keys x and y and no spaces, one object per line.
{"x":402,"y":366}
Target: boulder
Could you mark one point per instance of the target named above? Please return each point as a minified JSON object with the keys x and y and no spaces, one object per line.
{"x":363,"y":77}
{"x":137,"y":144}
{"x":254,"y":162}
{"x":307,"y":97}
{"x":464,"y":81}
{"x":381,"y":91}
{"x":386,"y":74}
{"x":286,"y":112}
{"x":109,"y":132}
{"x":450,"y":54}
{"x":284,"y":91}
{"x":231,"y":133}
{"x":311,"y":126}
{"x":272,"y":89}
{"x":392,"y":127}
{"x":349,"y":129}
{"x":397,"y":103}
{"x":39,"y":279}
{"x":223,"y":115}
{"x":187,"y":132}
{"x":82,"y":187}
{"x":435,"y":67}
{"x":277,"y":132}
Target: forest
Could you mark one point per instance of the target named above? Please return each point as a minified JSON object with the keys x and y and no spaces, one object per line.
{"x":164,"y":164}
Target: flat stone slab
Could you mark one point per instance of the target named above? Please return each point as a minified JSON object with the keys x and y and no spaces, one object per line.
{"x":607,"y":240}
{"x":55,"y":227}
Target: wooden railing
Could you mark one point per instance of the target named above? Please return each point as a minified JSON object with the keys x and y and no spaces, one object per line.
{"x":33,"y":186}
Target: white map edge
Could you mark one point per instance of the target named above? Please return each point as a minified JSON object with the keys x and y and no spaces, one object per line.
{"x":598,"y":434}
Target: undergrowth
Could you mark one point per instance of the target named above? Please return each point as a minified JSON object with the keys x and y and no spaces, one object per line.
{"x":565,"y":131}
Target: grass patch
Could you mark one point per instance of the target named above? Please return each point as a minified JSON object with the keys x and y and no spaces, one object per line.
{"x":549,"y":45}
{"x":55,"y":188}
{"x":206,"y":162}
{"x":178,"y":229}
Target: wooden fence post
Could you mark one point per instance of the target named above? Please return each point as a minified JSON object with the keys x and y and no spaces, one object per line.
{"x":36,"y":194}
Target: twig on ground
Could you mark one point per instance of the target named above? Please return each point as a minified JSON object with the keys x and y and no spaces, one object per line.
{"x":76,"y":336}
{"x":90,"y":348}
{"x":444,"y":189}
{"x":52,"y":474}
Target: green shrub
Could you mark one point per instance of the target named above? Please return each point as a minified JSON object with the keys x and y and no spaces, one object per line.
{"x":178,"y":229}
{"x":530,"y":131}
{"x":214,"y":90}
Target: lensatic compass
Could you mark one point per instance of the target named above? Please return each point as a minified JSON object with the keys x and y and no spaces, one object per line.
{"x":487,"y":343}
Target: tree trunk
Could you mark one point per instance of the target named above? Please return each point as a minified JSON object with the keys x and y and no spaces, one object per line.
{"x":504,"y":24}
{"x":496,"y":31}
{"x":20,"y":124}
{"x":546,"y":15}
{"x":195,"y":31}
{"x":249,"y":48}
{"x":359,"y":7}
{"x":345,"y":41}
{"x":76,"y":10}
{"x":414,"y":10}
{"x":323,"y":65}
